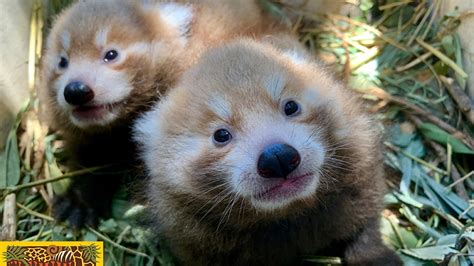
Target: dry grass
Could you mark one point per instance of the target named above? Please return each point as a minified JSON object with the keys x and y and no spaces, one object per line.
{"x":406,"y":64}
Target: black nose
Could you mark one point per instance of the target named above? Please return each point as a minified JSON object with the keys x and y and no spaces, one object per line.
{"x":278,"y":161}
{"x":78,"y":93}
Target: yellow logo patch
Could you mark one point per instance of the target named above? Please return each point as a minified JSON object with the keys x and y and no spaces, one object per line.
{"x":52,"y":253}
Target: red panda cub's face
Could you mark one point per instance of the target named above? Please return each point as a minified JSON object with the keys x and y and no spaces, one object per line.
{"x":249,"y":125}
{"x":102,"y":58}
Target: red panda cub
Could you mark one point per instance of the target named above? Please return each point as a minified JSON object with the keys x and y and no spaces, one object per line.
{"x":258,"y":157}
{"x":107,"y":61}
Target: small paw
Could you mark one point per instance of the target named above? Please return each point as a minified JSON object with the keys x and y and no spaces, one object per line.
{"x":73,"y":209}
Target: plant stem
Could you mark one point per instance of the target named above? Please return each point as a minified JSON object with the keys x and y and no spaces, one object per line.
{"x":110,"y":241}
{"x":54,"y":179}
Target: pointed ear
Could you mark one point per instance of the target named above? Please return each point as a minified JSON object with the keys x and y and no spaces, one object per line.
{"x":289,"y":46}
{"x":175,"y":15}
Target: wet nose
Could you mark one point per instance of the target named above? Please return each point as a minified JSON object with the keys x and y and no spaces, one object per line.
{"x":278,"y":161}
{"x":78,"y":93}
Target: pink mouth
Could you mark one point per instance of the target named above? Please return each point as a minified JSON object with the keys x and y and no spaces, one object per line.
{"x":90,"y":112}
{"x":287,"y":187}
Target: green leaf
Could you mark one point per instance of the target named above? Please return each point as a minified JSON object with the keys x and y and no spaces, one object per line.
{"x":366,"y":5}
{"x":89,"y":236}
{"x":451,"y":199}
{"x":408,"y":199}
{"x":61,"y":186}
{"x":3,"y":171}
{"x":415,"y":148}
{"x":433,"y":132}
{"x":400,"y":138}
{"x":459,"y":61}
{"x":449,"y":240}
{"x":420,"y":223}
{"x":396,"y":235}
{"x":430,"y":253}
{"x":448,"y":45}
{"x":11,"y":162}
{"x":411,"y":261}
{"x":108,"y":226}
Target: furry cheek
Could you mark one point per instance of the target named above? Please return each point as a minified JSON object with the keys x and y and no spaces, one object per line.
{"x":58,"y":86}
{"x":111,"y":86}
{"x":177,"y":157}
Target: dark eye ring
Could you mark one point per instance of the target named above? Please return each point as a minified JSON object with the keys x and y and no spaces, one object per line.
{"x":222,"y":137}
{"x":63,"y":62}
{"x":291,"y":108}
{"x":110,"y":55}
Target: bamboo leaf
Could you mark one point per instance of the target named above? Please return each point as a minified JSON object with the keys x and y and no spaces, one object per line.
{"x":430,"y":253}
{"x":411,"y":261}
{"x":443,"y":58}
{"x":108,"y":226}
{"x":450,"y":198}
{"x":10,"y":163}
{"x":3,"y":171}
{"x":12,"y":160}
{"x":433,"y":132}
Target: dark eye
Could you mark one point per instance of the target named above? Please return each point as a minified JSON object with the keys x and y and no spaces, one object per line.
{"x":292,"y":108}
{"x":63,"y":63}
{"x":222,"y":137}
{"x":110,"y":55}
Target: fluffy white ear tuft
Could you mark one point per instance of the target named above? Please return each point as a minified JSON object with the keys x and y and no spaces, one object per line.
{"x":177,"y":15}
{"x":147,"y":128}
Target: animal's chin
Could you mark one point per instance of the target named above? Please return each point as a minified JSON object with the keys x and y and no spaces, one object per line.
{"x":94,"y":114}
{"x":284,"y":191}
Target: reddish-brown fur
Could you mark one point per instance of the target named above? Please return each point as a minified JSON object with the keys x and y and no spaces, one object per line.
{"x":150,"y":73}
{"x":341,"y":218}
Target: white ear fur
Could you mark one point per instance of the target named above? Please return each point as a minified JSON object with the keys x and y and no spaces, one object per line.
{"x":147,"y":127}
{"x":177,"y":15}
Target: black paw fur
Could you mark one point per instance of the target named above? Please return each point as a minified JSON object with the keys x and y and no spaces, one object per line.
{"x":72,"y":208}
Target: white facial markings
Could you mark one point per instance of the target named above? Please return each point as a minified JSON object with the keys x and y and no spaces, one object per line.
{"x":148,"y":131}
{"x":178,"y":16}
{"x":66,"y":40}
{"x":109,"y":86}
{"x":103,"y":121}
{"x":58,"y":86}
{"x":138,"y":48}
{"x":274,"y":84}
{"x":275,"y":205}
{"x":311,"y":97}
{"x":261,"y":130}
{"x":167,"y":156}
{"x":101,"y":37}
{"x":220,"y":106}
{"x":148,"y":126}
